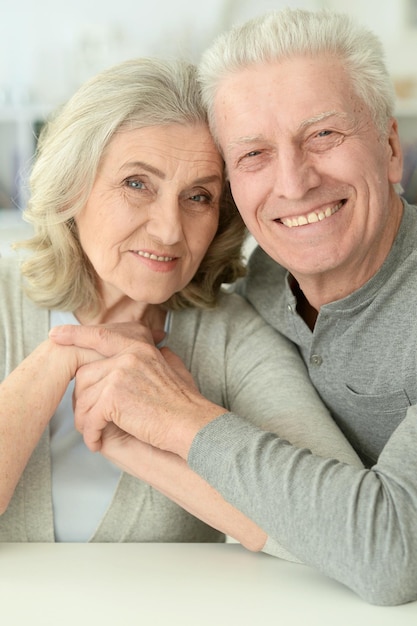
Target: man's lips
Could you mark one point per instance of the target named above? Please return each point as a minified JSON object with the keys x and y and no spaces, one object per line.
{"x":311,"y":218}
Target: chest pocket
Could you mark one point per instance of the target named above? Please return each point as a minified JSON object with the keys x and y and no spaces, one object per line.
{"x":369,"y":420}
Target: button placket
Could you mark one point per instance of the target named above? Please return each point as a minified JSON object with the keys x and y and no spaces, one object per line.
{"x":316,"y":360}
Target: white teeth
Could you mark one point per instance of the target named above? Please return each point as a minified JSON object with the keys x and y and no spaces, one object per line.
{"x":311,"y":217}
{"x":154,"y":257}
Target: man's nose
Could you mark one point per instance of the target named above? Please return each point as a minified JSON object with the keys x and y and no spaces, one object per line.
{"x":296,"y":174}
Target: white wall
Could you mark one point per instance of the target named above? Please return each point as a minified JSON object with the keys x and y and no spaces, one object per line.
{"x":48,"y":47}
{"x":395,"y":22}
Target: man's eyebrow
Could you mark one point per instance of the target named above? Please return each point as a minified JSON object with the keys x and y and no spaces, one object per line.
{"x":322,"y":117}
{"x":242,"y":141}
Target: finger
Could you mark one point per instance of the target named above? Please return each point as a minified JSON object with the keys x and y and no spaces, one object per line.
{"x":137,"y":332}
{"x":90,"y":374}
{"x":86,"y":356}
{"x":88,"y":389}
{"x":125,"y":451}
{"x":100,"y":391}
{"x":107,"y":341}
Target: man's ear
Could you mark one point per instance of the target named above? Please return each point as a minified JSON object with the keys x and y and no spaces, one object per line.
{"x":395,"y":165}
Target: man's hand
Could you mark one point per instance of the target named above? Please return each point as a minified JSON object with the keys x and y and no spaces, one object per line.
{"x":146,"y":392}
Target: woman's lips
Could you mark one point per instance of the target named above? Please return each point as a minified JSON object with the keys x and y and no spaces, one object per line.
{"x":154,"y":257}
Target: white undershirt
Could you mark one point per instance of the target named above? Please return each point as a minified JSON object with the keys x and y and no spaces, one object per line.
{"x":83,"y":483}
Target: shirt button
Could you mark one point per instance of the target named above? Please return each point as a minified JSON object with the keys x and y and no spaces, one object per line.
{"x":316,"y":360}
{"x":289,"y":308}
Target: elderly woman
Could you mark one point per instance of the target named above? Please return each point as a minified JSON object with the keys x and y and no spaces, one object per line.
{"x":133,"y":223}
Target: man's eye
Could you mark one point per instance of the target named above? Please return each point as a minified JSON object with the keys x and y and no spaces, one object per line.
{"x":253,"y":160}
{"x":247,"y":156}
{"x":324,"y":140}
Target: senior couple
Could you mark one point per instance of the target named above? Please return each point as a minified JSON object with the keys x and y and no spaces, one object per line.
{"x":283,"y":414}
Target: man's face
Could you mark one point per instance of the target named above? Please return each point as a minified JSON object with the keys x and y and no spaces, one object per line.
{"x":309,"y":171}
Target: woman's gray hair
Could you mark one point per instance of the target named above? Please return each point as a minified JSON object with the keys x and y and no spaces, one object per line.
{"x":135,"y":94}
{"x":289,"y":33}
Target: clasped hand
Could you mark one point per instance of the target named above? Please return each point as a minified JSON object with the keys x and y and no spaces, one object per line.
{"x":146,"y":392}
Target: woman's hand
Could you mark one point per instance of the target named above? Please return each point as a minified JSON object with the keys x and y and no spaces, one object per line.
{"x":29,"y":397}
{"x":106,"y":339}
{"x":147,"y":392}
{"x":170,"y":474}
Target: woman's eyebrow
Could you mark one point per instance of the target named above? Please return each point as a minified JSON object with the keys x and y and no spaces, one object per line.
{"x":214,"y":178}
{"x":146,"y":166}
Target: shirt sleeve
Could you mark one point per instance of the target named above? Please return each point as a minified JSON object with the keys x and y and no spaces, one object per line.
{"x":356,"y":525}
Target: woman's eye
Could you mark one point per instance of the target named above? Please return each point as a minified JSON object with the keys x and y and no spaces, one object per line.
{"x":200,"y":197}
{"x":135,"y":184}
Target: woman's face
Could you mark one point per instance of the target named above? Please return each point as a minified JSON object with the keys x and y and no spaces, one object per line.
{"x":152,"y":212}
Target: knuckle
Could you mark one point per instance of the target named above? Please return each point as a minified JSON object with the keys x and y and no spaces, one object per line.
{"x":130,"y":360}
{"x":102,"y":332}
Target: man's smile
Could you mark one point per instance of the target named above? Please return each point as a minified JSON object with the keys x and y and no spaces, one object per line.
{"x":311,"y":218}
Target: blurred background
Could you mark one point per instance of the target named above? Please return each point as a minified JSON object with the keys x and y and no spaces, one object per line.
{"x":49,"y":47}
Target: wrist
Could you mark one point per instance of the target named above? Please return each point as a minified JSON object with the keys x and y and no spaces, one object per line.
{"x":183,"y":431}
{"x":60,"y":361}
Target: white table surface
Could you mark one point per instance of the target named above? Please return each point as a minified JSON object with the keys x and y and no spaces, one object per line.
{"x":174,"y":584}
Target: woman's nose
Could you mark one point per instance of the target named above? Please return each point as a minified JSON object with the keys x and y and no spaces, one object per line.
{"x":164,"y":221}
